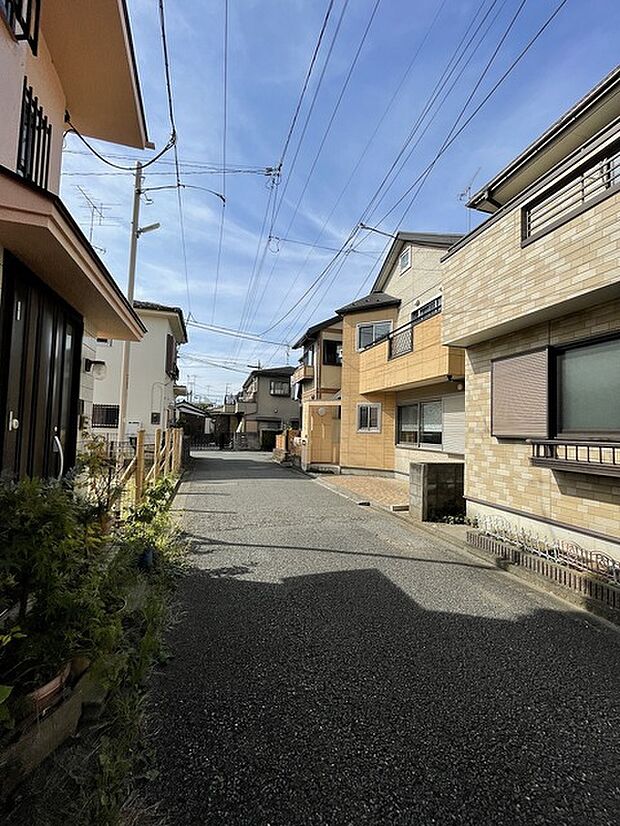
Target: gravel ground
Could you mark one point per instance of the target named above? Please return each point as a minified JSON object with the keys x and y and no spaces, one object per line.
{"x":333,"y":665}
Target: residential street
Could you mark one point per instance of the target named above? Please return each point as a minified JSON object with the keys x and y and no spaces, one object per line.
{"x":331,"y":665}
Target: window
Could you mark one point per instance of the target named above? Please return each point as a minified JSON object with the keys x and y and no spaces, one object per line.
{"x":405,"y":259}
{"x":332,"y":352}
{"x":427,"y":310}
{"x":105,"y":415}
{"x":35,"y":137}
{"x":588,"y":387}
{"x":155,"y":418}
{"x":22,"y":17}
{"x":368,"y":334}
{"x":104,"y":342}
{"x":369,"y":418}
{"x":420,"y":424}
{"x":308,"y":357}
{"x":520,"y":396}
{"x":279,"y":388}
{"x":586,"y":186}
{"x":171,"y":357}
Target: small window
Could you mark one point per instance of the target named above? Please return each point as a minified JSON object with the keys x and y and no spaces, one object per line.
{"x":372,"y":332}
{"x":155,"y":418}
{"x":420,"y":425}
{"x":332,"y":352}
{"x":369,"y":418}
{"x":279,"y":388}
{"x":308,"y":357}
{"x":105,"y":415}
{"x":405,"y":259}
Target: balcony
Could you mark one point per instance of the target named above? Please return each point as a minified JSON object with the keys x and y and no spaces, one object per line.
{"x":411,"y":355}
{"x":22,"y":17}
{"x":246,"y":404}
{"x":305,"y":372}
{"x":597,"y":458}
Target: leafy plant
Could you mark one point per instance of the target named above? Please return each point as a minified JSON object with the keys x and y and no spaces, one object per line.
{"x":96,"y":478}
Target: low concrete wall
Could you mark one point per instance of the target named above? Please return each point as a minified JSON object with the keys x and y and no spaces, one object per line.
{"x":435,"y":490}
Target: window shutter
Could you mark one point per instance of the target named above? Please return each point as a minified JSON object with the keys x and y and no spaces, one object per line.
{"x":520,"y":396}
{"x":169,"y":354}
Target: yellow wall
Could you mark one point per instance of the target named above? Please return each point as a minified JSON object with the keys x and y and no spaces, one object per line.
{"x":372,"y":451}
{"x":499,"y":472}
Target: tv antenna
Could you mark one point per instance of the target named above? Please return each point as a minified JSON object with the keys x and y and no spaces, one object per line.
{"x":465,"y":196}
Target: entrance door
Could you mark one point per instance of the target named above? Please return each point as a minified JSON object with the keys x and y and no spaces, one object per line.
{"x":40,"y":347}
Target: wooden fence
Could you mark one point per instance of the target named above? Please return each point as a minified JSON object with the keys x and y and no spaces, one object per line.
{"x":135,"y":478}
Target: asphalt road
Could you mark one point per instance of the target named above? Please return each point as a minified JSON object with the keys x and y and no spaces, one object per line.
{"x":334,"y":666}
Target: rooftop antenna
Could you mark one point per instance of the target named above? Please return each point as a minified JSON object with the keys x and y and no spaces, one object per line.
{"x":97,"y":214}
{"x":465,"y":196}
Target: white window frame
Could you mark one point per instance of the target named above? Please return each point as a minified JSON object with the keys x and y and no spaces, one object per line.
{"x":407,"y":252}
{"x":369,"y":405}
{"x":368,"y":324}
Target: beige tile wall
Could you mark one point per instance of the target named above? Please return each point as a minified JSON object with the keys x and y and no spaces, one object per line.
{"x":492,"y":280}
{"x":499,"y":472}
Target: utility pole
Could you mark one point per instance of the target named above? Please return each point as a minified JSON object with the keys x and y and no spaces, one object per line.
{"x":131,"y":281}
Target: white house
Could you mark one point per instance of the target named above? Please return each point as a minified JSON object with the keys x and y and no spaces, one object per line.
{"x":153,"y":372}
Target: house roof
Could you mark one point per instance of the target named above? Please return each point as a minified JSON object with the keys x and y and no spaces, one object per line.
{"x":434,"y":240}
{"x":311,"y":332}
{"x":275,"y":372}
{"x":369,"y":302}
{"x":175,"y":312}
{"x":191,"y":409}
{"x":598,"y":108}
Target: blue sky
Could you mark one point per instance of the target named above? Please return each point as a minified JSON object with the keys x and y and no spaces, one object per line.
{"x":270,"y":44}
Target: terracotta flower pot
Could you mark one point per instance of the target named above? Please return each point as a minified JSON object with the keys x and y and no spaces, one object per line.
{"x":47,"y":695}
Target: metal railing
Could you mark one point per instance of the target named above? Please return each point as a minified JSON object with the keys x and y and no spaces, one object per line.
{"x":400,"y":341}
{"x":581,"y":456}
{"x":585,"y":186}
{"x":35,"y":137}
{"x":23,"y":17}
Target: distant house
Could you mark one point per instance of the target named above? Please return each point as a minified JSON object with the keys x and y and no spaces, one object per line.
{"x":196,"y":420}
{"x":153,"y":372}
{"x":57,"y":296}
{"x":265,"y":406}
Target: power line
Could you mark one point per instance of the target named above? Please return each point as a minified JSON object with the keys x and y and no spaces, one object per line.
{"x":325,"y":136}
{"x":224,"y":141}
{"x":420,"y":118}
{"x":363,"y":154}
{"x":447,"y":143}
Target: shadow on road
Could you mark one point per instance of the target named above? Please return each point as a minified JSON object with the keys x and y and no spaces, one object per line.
{"x":336,"y":699}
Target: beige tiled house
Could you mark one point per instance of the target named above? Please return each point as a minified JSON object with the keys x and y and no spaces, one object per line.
{"x":60,"y":61}
{"x":533,"y":297}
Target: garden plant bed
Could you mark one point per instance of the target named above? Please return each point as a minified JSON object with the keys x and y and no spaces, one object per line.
{"x":583,"y":588}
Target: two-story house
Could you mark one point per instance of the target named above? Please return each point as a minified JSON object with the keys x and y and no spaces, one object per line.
{"x":264,"y":407}
{"x":533,"y":297}
{"x":316,"y":383}
{"x":59,"y":60}
{"x":402,"y":390}
{"x":153,"y":372}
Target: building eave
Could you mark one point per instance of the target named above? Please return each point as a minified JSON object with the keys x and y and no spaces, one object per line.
{"x":578,"y":124}
{"x":433,"y":240}
{"x":38,"y":229}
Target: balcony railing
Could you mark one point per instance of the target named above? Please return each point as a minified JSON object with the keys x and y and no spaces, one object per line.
{"x":400,"y":341}
{"x":585,"y":187}
{"x":23,"y":18}
{"x":598,"y":458}
{"x":35,"y":137}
